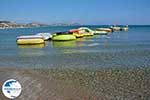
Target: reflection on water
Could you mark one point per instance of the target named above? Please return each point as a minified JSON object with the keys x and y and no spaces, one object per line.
{"x":68,"y":44}
{"x":28,"y":51}
{"x":31,"y":50}
{"x":93,"y":44}
{"x":59,"y":44}
{"x":32,"y":46}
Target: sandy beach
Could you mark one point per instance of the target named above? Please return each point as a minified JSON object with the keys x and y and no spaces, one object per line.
{"x":80,"y":84}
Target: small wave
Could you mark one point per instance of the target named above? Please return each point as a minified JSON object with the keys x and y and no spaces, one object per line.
{"x":93,"y":44}
{"x":106,"y":37}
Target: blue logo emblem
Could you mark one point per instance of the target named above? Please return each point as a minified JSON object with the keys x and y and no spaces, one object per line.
{"x":11,"y":88}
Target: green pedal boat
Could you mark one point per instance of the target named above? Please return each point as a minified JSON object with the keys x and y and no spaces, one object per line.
{"x":62,"y":36}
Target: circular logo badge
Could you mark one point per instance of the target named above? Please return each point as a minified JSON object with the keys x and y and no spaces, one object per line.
{"x":11,"y":88}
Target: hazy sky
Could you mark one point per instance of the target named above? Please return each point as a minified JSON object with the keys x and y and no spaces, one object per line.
{"x":82,"y":11}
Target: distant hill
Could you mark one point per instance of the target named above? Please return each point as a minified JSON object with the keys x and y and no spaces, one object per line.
{"x":9,"y":24}
{"x":65,"y":24}
{"x":5,"y":22}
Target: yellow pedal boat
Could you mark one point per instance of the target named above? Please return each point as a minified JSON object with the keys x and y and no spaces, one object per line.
{"x":63,"y":36}
{"x":29,"y":40}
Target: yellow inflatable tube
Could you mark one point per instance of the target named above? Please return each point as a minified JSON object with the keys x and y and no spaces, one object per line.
{"x":29,"y":40}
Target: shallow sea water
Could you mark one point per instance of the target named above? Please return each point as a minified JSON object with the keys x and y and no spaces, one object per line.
{"x":120,"y":49}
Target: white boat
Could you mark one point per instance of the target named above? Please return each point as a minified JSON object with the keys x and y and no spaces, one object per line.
{"x":94,"y":32}
{"x":98,"y":32}
{"x":116,"y":28}
{"x":46,"y":36}
{"x":126,"y":28}
{"x":87,"y":31}
{"x":120,"y":28}
{"x":104,"y":29}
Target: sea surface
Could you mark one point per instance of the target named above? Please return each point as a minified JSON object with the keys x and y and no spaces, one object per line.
{"x":129,"y":49}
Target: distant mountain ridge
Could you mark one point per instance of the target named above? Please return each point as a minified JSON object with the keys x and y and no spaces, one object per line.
{"x":65,"y":24}
{"x":9,"y":24}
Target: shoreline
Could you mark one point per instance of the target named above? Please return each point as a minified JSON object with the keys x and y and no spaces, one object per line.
{"x":80,"y":84}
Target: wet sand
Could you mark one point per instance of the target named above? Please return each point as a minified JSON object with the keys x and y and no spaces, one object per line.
{"x":80,"y":84}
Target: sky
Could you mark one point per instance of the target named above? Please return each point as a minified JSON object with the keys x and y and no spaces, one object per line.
{"x":94,"y":12}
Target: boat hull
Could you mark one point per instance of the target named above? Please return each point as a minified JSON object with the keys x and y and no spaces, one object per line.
{"x":87,"y":34}
{"x":77,"y":35}
{"x":86,"y":31}
{"x":105,"y":29}
{"x":100,"y":32}
{"x":30,"y":41}
{"x":65,"y":37}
